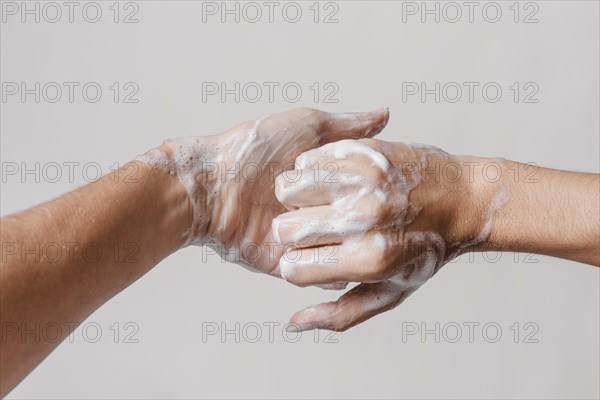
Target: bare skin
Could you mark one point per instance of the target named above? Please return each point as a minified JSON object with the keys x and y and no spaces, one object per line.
{"x":109,"y":213}
{"x":415,"y":213}
{"x":134,"y":218}
{"x":153,"y":216}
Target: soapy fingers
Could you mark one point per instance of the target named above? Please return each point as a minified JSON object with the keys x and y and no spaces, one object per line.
{"x":392,"y":279}
{"x":364,"y":213}
{"x":315,"y":187}
{"x":312,"y":226}
{"x":362,"y":260}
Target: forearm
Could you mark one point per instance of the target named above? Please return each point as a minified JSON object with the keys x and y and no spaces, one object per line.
{"x":64,"y":259}
{"x":550,"y":212}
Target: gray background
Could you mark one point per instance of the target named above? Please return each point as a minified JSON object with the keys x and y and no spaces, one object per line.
{"x":368,"y":53}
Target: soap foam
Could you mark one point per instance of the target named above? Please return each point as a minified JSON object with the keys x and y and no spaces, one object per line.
{"x":342,"y":150}
{"x":191,"y":158}
{"x":423,"y":253}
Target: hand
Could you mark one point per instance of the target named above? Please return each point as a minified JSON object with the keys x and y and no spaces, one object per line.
{"x":394,"y":213}
{"x":230,"y":177}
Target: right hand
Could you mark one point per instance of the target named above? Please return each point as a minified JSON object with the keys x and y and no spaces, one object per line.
{"x":394,"y":213}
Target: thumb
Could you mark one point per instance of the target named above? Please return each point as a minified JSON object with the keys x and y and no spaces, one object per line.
{"x":359,"y":304}
{"x":338,"y":126}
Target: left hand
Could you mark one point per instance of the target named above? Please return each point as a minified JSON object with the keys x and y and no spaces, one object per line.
{"x":230,"y":177}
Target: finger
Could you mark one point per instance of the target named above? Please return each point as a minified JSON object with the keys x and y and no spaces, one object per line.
{"x":359,"y":304}
{"x":320,"y":225}
{"x":361,"y":260}
{"x":343,"y":154}
{"x":337,"y":126}
{"x":307,"y":188}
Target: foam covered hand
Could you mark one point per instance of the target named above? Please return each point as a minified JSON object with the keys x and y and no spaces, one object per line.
{"x":388,"y":217}
{"x":230,"y":177}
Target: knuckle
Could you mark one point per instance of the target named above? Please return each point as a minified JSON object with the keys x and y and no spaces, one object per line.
{"x":307,"y":159}
{"x":281,"y":188}
{"x":376,"y":268}
{"x":372,"y":212}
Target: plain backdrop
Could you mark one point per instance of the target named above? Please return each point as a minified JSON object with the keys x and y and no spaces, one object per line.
{"x":547,"y":309}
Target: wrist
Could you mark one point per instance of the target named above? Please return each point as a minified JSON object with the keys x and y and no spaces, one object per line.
{"x":489,"y":192}
{"x":166,"y":205}
{"x":186,"y":167}
{"x":468,"y":194}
